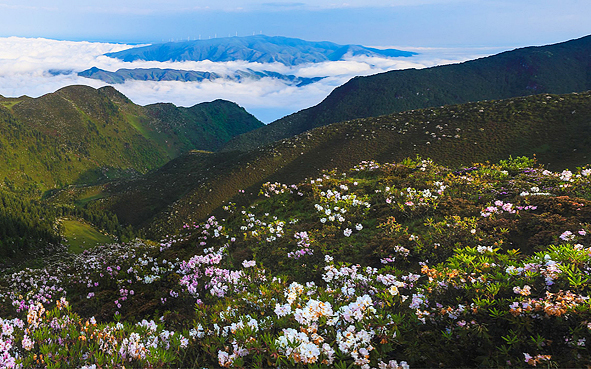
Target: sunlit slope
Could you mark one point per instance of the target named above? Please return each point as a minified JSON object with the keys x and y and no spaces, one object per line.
{"x":80,"y":135}
{"x":554,"y":128}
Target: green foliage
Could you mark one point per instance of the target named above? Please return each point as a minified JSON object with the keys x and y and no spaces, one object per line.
{"x":517,"y":164}
{"x":194,"y":185}
{"x":79,"y":135}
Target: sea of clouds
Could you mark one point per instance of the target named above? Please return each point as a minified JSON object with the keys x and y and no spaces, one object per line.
{"x":36,"y":66}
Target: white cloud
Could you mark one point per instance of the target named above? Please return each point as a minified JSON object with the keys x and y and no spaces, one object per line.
{"x":28,"y":67}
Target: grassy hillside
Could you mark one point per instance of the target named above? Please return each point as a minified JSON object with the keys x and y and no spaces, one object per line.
{"x":206,"y":126}
{"x":70,"y":136}
{"x":80,"y":236}
{"x":558,"y":69}
{"x":554,"y":128}
{"x":82,"y":135}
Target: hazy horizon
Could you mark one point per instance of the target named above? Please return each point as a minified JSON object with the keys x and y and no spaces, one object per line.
{"x":41,"y":36}
{"x":37,"y":66}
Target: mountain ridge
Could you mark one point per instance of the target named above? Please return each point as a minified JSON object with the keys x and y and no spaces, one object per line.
{"x":79,"y":134}
{"x":257,"y":48}
{"x":157,"y":74}
{"x":558,"y":68}
{"x":554,"y":128}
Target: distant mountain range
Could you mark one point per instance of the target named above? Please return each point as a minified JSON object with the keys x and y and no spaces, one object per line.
{"x":256,"y":49}
{"x":156,"y":74}
{"x":559,"y":68}
{"x":81,"y":135}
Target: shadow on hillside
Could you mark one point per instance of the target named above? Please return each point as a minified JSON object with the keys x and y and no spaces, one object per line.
{"x":105,"y":174}
{"x":21,"y":237}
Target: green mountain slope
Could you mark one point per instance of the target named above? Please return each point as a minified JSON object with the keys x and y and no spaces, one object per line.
{"x":206,"y":126}
{"x":79,"y":135}
{"x":558,"y":68}
{"x":555,"y":128}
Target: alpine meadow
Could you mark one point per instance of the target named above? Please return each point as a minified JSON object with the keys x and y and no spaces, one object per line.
{"x":436,"y":216}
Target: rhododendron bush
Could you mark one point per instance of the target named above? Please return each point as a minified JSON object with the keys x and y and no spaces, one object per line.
{"x":384,"y":266}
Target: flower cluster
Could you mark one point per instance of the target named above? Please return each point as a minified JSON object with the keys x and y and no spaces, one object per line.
{"x":83,"y":343}
{"x":269,"y":189}
{"x":269,"y":227}
{"x":303,"y":245}
{"x":535,"y":360}
{"x":499,"y":207}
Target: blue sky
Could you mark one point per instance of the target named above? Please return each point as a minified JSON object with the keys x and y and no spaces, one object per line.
{"x":379,"y":22}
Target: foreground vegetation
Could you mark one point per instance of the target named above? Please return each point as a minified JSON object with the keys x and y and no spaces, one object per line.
{"x":384,"y":265}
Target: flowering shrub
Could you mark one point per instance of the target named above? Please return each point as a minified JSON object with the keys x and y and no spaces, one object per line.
{"x":59,"y":338}
{"x":489,"y":266}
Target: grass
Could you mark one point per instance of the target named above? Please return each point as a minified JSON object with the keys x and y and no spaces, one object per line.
{"x":136,"y":122}
{"x":95,"y":194}
{"x":9,"y":103}
{"x":80,"y":236}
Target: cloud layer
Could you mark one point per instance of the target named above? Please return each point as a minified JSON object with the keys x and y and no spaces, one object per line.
{"x":34,"y":67}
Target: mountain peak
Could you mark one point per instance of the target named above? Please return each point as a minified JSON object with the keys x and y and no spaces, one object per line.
{"x":78,"y":130}
{"x":76,"y":89}
{"x":256,"y":48}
